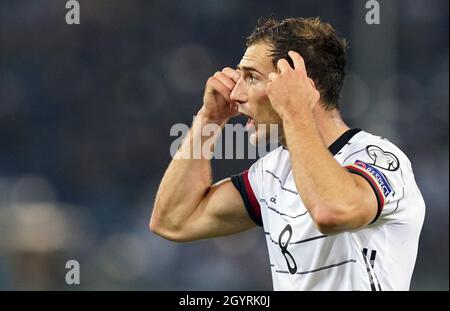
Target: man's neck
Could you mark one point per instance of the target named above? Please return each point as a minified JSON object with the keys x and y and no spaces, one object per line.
{"x":329,"y":124}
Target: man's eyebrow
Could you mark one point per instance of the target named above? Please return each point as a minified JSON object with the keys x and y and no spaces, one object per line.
{"x":248,"y":68}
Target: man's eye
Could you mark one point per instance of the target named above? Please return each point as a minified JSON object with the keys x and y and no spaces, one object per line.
{"x":251,"y":78}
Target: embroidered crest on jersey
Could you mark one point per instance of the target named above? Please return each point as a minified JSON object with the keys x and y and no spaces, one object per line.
{"x":377,"y":175}
{"x":383,"y":159}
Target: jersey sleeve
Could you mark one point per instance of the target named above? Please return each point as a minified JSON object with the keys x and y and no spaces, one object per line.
{"x":248,"y":183}
{"x":385,"y":168}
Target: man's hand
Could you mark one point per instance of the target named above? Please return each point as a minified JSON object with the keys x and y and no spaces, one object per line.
{"x":217,"y":106}
{"x":291,"y":90}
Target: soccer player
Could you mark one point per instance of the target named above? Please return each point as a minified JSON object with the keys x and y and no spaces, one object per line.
{"x":340,"y":207}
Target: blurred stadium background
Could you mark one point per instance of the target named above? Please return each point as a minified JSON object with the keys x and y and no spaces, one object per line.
{"x":85,"y":113}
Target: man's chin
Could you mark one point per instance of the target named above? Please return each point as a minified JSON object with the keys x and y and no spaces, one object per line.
{"x":254,"y":134}
{"x":262,"y":135}
{"x":253,"y":138}
{"x":258,"y":137}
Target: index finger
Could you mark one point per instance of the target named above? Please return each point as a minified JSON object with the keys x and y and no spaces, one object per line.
{"x":232,"y":74}
{"x":283,"y":66}
{"x":299,"y":63}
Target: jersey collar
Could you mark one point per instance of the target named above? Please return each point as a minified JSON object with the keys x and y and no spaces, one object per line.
{"x":339,"y":143}
{"x":343,"y":140}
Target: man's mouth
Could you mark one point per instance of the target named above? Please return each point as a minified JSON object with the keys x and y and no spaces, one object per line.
{"x":251,"y":124}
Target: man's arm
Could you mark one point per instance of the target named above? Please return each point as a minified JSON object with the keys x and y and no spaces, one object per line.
{"x":187,"y":206}
{"x":336,"y":199}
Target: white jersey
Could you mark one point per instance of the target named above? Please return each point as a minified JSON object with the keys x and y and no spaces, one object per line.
{"x":380,"y":256}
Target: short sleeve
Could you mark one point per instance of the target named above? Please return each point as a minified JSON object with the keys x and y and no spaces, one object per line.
{"x":248,"y":183}
{"x":384,"y":167}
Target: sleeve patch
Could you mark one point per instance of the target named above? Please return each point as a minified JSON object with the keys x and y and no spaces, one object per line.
{"x":377,"y":175}
{"x":383,"y":159}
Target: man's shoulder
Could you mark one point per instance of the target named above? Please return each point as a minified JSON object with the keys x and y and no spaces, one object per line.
{"x":376,"y":147}
{"x":379,"y":154}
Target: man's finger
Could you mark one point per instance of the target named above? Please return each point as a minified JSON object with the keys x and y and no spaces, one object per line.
{"x":299,"y":63}
{"x":272,"y":76}
{"x":225,"y":80}
{"x":218,"y":87}
{"x":283,"y":66}
{"x":232,"y":74}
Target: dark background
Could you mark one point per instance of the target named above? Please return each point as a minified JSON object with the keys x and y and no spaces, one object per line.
{"x":86,"y":110}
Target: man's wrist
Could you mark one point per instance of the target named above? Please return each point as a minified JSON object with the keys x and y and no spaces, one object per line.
{"x":299,"y":114}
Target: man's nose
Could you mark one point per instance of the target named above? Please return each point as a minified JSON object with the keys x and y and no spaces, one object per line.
{"x":238,"y":94}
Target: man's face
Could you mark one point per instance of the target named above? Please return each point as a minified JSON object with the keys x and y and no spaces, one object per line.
{"x":250,"y":91}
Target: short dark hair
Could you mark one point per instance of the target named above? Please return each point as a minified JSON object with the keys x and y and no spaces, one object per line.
{"x":317,"y":42}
